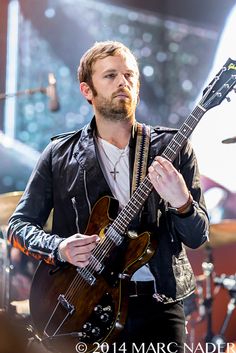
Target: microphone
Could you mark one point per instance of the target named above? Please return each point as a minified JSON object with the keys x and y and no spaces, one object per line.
{"x":51,"y":92}
{"x":229,"y":140}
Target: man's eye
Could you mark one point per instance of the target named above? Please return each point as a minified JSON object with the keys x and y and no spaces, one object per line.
{"x":110,"y":76}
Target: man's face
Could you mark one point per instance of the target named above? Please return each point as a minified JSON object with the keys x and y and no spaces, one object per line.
{"x":115,"y":87}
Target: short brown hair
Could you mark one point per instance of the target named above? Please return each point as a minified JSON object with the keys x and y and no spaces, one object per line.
{"x":100,"y":50}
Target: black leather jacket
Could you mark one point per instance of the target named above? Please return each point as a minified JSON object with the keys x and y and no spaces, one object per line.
{"x":68,"y":179}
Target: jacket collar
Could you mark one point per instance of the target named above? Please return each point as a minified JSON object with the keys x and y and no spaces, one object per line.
{"x":85,"y":153}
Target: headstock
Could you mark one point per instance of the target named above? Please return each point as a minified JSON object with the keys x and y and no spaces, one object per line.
{"x":220,"y":86}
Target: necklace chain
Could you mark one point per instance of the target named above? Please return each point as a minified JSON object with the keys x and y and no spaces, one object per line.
{"x":113,"y":172}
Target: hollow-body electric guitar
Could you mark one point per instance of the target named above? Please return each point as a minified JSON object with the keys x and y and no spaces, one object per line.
{"x":84,"y":308}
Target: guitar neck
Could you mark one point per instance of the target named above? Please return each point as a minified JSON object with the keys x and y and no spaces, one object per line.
{"x":140,"y":195}
{"x":183,"y":133}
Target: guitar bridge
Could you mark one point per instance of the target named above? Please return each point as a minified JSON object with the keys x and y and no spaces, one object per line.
{"x":64,"y":302}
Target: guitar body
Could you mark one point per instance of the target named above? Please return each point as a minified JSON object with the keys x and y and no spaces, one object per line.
{"x":68,"y":308}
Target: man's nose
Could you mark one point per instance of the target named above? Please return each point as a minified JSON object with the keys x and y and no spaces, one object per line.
{"x":122,"y":81}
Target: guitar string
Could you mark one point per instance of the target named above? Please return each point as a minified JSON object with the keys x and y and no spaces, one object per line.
{"x":107,"y":245}
{"x":71,"y":292}
{"x":79,"y":280}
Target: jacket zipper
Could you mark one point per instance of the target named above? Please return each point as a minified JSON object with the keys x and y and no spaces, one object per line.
{"x":74,"y":202}
{"x":76,"y":214}
{"x":86,"y":193}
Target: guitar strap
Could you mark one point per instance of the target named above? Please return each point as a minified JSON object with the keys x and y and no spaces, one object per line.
{"x":141,"y":155}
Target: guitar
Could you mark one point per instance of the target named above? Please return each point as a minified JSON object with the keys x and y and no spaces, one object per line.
{"x":84,"y":308}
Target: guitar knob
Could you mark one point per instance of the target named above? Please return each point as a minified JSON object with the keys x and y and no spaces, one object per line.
{"x":96,"y":331}
{"x":98,"y":309}
{"x":105,"y":317}
{"x":87,"y":326}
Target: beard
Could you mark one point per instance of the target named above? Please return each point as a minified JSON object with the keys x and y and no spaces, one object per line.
{"x":116,"y":108}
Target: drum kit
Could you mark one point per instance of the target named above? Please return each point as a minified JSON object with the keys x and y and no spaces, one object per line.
{"x":8,"y":203}
{"x":16,"y":272}
{"x":199,"y":307}
{"x":222,"y":237}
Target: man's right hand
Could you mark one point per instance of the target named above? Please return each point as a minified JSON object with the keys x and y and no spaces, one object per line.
{"x":77,"y":249}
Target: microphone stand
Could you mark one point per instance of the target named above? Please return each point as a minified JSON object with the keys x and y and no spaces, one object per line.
{"x":7,"y":273}
{"x":29,"y":91}
{"x":208,"y":268}
{"x":50,"y":91}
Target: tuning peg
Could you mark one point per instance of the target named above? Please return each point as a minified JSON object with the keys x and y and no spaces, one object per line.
{"x":228,"y":99}
{"x":234,"y":89}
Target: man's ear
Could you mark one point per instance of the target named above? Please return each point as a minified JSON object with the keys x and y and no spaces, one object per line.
{"x":86,"y":91}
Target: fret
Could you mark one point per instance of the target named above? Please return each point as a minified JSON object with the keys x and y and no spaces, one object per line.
{"x":175,"y":141}
{"x":137,"y":201}
{"x":202,"y":108}
{"x":165,"y":155}
{"x":145,"y":193}
{"x":187,"y":128}
{"x":128,"y":212}
{"x":194,"y":117}
{"x":179,"y":132}
{"x":170,"y":149}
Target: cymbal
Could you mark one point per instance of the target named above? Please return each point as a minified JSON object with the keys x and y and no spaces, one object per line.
{"x":22,"y":306}
{"x":223,"y":233}
{"x":8,"y":202}
{"x":230,"y":140}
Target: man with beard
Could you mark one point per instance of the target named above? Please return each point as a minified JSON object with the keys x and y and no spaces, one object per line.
{"x":78,"y":169}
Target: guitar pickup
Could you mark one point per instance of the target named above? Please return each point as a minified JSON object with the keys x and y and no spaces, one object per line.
{"x":114,"y":236}
{"x":87,"y":275}
{"x":97,"y":265}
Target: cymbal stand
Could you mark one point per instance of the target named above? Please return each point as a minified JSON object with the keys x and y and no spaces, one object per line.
{"x":208,"y":268}
{"x":230,"y":308}
{"x":7,"y":268}
{"x":229,"y":283}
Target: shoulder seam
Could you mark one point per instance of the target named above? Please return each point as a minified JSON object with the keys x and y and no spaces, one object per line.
{"x":64,"y":134}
